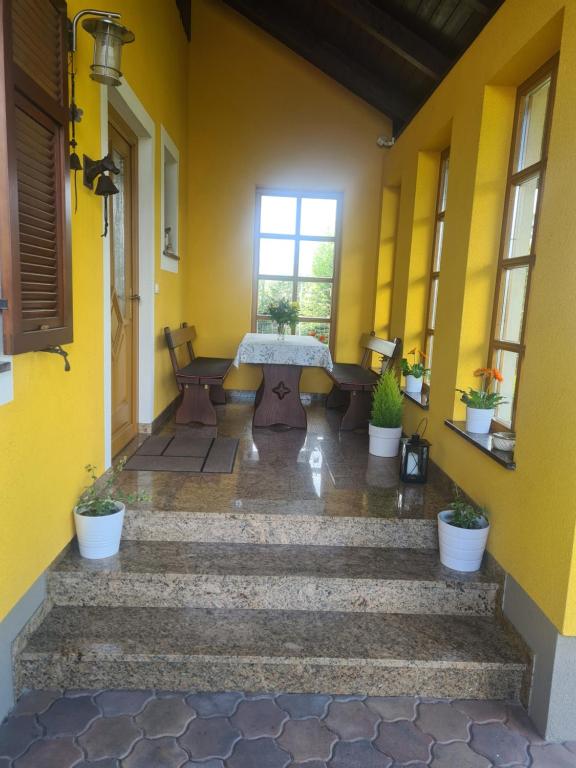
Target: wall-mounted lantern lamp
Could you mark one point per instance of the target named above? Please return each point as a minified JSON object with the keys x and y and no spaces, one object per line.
{"x":109,"y":37}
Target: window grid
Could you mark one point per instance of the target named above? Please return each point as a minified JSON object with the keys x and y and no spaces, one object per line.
{"x":436,"y":260}
{"x":298,"y":238}
{"x":509,"y":265}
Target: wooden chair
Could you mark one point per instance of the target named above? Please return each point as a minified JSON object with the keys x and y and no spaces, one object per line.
{"x":201,"y":380}
{"x":352,"y":384}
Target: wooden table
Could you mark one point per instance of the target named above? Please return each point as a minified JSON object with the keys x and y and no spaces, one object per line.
{"x":282,"y":359}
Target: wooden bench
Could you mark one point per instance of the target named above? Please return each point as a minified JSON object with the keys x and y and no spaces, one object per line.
{"x":352,"y":384}
{"x":201,"y":380}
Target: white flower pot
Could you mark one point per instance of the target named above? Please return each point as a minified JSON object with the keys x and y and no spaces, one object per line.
{"x":478,"y":420}
{"x":414,"y":384}
{"x":461,"y":548}
{"x":99,"y":536}
{"x":384,"y":441}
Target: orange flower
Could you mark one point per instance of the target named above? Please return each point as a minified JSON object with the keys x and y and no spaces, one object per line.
{"x":483,"y":372}
{"x":497,"y":375}
{"x":322,"y":338}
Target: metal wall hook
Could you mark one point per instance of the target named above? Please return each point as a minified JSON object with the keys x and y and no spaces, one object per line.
{"x":57,"y":350}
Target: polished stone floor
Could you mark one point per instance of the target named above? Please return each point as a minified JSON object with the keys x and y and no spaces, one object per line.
{"x":318,"y":471}
{"x":148,"y":729}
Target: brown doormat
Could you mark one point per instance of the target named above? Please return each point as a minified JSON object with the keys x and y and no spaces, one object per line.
{"x":184,"y":452}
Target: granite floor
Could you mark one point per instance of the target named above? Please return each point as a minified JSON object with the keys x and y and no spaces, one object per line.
{"x":158,"y":729}
{"x":318,"y":471}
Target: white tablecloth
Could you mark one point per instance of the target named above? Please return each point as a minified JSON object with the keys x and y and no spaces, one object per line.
{"x":269,"y":349}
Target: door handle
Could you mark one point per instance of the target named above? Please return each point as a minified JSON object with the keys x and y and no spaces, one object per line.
{"x":134,"y":297}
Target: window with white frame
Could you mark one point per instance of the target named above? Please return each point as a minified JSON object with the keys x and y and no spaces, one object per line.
{"x":170,"y":203}
{"x":297,"y":247}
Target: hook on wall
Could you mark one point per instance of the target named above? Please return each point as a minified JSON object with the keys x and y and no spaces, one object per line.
{"x":57,"y":350}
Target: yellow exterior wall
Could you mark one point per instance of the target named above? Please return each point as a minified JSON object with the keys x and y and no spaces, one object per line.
{"x":55,"y":424}
{"x":262,"y":116}
{"x":532,"y":509}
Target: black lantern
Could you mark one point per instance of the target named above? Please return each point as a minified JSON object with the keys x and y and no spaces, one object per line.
{"x":414,"y":459}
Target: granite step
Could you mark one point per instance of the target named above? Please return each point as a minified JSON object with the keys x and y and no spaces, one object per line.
{"x":291,"y":651}
{"x":352,"y":527}
{"x":273,"y":577}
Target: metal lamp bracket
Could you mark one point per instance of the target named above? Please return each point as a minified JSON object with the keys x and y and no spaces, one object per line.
{"x":79,"y":15}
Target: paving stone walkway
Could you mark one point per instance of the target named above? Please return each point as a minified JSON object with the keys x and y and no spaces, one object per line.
{"x":157,"y":729}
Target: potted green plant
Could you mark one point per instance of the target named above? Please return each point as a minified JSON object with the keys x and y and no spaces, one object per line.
{"x":284,"y":313}
{"x":99,"y":514}
{"x":385,"y":428}
{"x":462,"y":534}
{"x":414,"y":371}
{"x":481,"y":403}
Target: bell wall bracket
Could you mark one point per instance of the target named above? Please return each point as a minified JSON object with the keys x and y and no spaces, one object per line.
{"x":93,"y":168}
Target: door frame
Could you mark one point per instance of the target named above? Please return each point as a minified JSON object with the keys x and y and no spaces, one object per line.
{"x":131,"y":111}
{"x":125,"y":133}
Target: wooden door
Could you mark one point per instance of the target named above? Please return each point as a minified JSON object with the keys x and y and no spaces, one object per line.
{"x":123,"y":286}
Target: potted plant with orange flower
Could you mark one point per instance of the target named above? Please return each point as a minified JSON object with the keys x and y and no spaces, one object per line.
{"x":414,"y":371}
{"x":481,"y":403}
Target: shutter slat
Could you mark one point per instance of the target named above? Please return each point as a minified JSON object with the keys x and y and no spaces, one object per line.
{"x":34,"y":250}
{"x":34,"y":163}
{"x":37,"y":221}
{"x":46,"y":235}
{"x":37,"y":43}
{"x":34,"y":207}
{"x":43,"y":190}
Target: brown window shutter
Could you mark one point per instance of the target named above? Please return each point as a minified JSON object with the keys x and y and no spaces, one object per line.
{"x":34,"y":192}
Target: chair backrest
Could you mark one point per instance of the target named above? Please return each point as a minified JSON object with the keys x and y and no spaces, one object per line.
{"x":384,"y":347}
{"x":186,"y":334}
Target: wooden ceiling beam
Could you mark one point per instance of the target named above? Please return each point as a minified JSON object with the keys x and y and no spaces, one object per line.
{"x":394,"y":35}
{"x":332,"y":61}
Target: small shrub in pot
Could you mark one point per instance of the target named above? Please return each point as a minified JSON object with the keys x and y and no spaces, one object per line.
{"x":385,"y":428}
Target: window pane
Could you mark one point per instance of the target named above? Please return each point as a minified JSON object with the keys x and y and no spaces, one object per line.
{"x":533,"y":116}
{"x":507,"y":364}
{"x":264,"y":325}
{"x":320,"y":330}
{"x":429,"y":352}
{"x":512,"y":300}
{"x":318,"y":217}
{"x":278,"y":215}
{"x":433,"y":303}
{"x":276,"y":257}
{"x":443,"y":185}
{"x":438,"y":246}
{"x":523,"y":214}
{"x":315,"y":299}
{"x":316,"y":259}
{"x":272,"y":290}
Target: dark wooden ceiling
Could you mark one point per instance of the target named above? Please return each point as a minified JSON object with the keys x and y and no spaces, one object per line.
{"x":391,"y":53}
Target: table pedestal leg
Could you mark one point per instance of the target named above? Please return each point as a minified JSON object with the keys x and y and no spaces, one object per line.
{"x":278,"y":399}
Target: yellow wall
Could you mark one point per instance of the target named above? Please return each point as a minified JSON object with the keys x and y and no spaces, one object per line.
{"x":262,"y":116}
{"x":54,"y":426}
{"x":532,"y":509}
